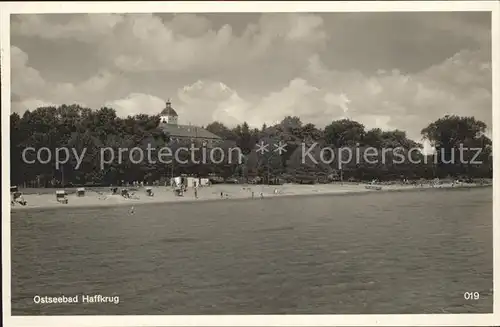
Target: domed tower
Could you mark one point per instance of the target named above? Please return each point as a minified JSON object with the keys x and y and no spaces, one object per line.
{"x":168,"y":115}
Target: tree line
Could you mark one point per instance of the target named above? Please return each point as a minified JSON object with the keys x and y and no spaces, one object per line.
{"x":73,"y":126}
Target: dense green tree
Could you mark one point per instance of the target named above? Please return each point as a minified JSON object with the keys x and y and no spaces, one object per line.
{"x":344,"y":132}
{"x":451,"y":133}
{"x":221,"y":130}
{"x":88,"y":132}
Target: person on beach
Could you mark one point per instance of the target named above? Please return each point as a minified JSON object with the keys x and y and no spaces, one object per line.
{"x":196,"y":192}
{"x":132,"y":210}
{"x":261,"y":195}
{"x":221,"y":195}
{"x":253,"y":194}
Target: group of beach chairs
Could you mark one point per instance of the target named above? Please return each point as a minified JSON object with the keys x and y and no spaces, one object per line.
{"x":129,"y":194}
{"x":62,"y":196}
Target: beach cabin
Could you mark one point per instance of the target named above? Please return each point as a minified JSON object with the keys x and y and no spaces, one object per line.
{"x":149,"y":191}
{"x":61,"y":196}
{"x":80,"y":191}
{"x":204,"y":181}
{"x":191,"y":181}
{"x":177,"y":181}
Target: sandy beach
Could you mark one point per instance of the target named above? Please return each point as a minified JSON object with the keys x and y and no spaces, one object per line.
{"x":162,"y":194}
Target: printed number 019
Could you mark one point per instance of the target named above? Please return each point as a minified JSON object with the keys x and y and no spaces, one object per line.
{"x":471,"y":295}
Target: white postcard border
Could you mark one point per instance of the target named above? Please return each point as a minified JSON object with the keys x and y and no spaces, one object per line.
{"x":250,"y":6}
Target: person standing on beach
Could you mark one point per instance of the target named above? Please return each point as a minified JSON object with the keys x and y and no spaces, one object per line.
{"x":195,"y":192}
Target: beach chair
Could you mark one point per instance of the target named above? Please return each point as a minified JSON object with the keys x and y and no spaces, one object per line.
{"x":61,"y":197}
{"x":13,"y":190}
{"x":17,"y":197}
{"x":80,"y":191}
{"x":149,"y":191}
{"x":125,"y":193}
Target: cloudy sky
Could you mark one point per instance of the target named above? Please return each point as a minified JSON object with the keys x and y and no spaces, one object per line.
{"x":387,"y":70}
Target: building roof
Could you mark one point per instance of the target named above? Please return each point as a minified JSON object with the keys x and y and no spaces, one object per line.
{"x":188,"y":131}
{"x":168,"y":110}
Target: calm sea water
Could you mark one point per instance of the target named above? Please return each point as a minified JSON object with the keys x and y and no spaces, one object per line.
{"x":415,"y":252}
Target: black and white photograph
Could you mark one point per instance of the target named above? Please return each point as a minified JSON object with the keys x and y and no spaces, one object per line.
{"x":240,"y":159}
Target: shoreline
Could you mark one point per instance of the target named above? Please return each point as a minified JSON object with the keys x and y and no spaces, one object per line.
{"x":91,"y":201}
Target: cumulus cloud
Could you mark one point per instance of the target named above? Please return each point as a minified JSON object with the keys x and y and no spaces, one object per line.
{"x":86,"y":28}
{"x":137,"y":103}
{"x":29,"y":104}
{"x":223,"y":69}
{"x":145,"y":42}
{"x":459,"y":85}
{"x":25,"y":80}
{"x":385,"y":100}
{"x":388,"y":100}
{"x":205,"y":101}
{"x":28,"y":85}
